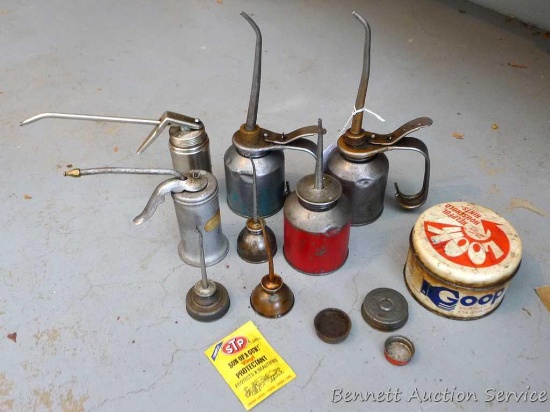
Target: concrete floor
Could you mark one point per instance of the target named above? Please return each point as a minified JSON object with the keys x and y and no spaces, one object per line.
{"x":98,"y":304}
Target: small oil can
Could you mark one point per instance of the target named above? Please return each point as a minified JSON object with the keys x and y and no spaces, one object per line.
{"x":317,"y":221}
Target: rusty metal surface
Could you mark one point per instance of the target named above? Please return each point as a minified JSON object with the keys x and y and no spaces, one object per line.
{"x":332,"y":325}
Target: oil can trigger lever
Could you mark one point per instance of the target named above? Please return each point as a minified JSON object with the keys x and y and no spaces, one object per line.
{"x":191,"y":183}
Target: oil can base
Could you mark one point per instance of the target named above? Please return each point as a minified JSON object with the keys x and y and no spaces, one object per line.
{"x":208,"y":309}
{"x":210,"y":259}
{"x":357,"y":222}
{"x":239,"y":212}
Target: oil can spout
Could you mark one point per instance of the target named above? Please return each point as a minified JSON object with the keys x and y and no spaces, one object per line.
{"x":319,"y":162}
{"x":256,"y":77}
{"x":357,"y":122}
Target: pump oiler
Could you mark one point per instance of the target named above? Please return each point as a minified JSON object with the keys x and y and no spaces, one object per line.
{"x":195,"y":196}
{"x":188,"y":144}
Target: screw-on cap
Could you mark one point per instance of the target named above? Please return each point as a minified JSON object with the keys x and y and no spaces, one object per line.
{"x":318,"y":199}
{"x":385,"y":309}
{"x":332,"y":325}
{"x":398,"y":350}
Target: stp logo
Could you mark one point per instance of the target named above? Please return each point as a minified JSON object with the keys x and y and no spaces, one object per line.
{"x":469,"y":245}
{"x":234,"y":345}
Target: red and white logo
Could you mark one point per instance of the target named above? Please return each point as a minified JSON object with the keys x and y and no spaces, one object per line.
{"x":477,"y":246}
{"x":234,"y":345}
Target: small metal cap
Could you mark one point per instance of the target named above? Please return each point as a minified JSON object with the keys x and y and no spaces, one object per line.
{"x":332,"y":325}
{"x":398,"y":350}
{"x":385,"y":309}
{"x":318,"y":199}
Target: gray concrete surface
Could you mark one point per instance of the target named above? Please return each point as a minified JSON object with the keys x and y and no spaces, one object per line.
{"x":98,"y":304}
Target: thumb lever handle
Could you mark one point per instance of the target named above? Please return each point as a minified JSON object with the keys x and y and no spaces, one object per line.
{"x":191,"y":182}
{"x":167,"y":119}
{"x":157,"y":198}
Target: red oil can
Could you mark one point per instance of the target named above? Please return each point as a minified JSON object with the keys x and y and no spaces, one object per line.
{"x":317,"y":221}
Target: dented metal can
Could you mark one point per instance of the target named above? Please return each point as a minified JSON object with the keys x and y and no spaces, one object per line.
{"x":316,"y":230}
{"x":461,"y":260}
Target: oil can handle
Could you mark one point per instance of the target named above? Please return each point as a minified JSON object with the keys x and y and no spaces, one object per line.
{"x":167,"y":119}
{"x":416,"y":200}
{"x":157,"y":198}
{"x":294,"y":140}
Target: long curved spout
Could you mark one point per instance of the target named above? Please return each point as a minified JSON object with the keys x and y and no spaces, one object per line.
{"x":256,"y":77}
{"x":357,"y":122}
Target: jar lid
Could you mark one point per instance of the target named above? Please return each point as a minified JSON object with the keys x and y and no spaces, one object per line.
{"x":385,"y":309}
{"x":398,"y":350}
{"x":332,"y":325}
{"x":467,"y":244}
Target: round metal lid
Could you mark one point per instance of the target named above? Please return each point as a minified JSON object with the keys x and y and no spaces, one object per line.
{"x":398,"y":350}
{"x":318,"y":198}
{"x":332,"y":325}
{"x":385,"y":309}
{"x":203,"y":182}
{"x":467,"y":244}
{"x":183,"y":138}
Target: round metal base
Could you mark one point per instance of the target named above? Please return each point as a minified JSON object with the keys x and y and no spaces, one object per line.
{"x":368,"y":222}
{"x":271,"y":303}
{"x":239,"y":213}
{"x":207,"y":309}
{"x":250,"y":243}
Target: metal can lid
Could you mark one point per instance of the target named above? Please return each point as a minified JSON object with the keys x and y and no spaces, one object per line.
{"x":332,"y":325}
{"x":385,"y":309}
{"x":398,"y":350}
{"x":467,"y":244}
{"x":202,"y":180}
{"x":318,"y":198}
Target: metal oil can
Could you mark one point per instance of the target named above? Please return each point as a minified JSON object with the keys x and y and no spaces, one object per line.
{"x":266,"y":148}
{"x":197,"y":207}
{"x":358,"y":161}
{"x":461,"y":260}
{"x":317,"y":221}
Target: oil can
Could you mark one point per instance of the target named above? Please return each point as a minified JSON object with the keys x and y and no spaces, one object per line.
{"x":265,"y":147}
{"x":317,"y":221}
